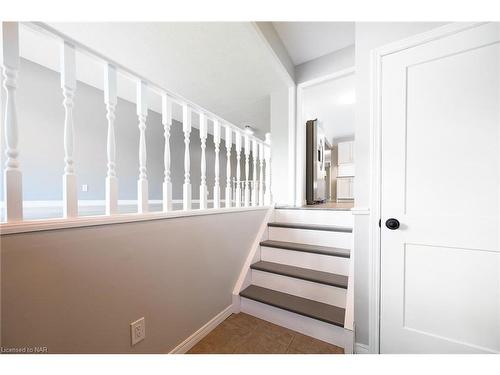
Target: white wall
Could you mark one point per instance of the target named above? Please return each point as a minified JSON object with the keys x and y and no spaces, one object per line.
{"x":369,"y":35}
{"x":77,"y":290}
{"x":331,"y":63}
{"x":332,"y":103}
{"x":272,"y":38}
{"x":282,"y":138}
{"x":221,"y":66}
{"x":282,"y":116}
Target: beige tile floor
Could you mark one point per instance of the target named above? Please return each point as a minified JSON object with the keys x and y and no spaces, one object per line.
{"x":245,"y":334}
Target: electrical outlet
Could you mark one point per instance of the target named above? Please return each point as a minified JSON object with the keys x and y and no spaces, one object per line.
{"x":85,"y":187}
{"x":138,"y":330}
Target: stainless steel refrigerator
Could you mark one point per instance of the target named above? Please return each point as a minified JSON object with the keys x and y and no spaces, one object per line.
{"x":315,"y":164}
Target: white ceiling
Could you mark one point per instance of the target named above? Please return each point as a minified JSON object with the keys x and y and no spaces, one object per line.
{"x":221,"y":66}
{"x":306,"y":41}
{"x":332,"y":103}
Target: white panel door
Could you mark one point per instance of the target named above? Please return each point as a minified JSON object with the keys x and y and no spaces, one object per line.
{"x":440,"y":271}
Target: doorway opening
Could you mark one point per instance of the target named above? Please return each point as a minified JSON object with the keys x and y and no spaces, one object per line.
{"x":326,"y":119}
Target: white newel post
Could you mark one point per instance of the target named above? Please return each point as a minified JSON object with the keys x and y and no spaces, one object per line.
{"x":247,"y":170}
{"x":255,"y":188}
{"x":110,"y":99}
{"x":142,"y":183}
{"x":261,"y":174}
{"x":68,"y":85}
{"x":267,"y":153}
{"x":166,"y":106}
{"x":203,"y":165}
{"x":217,"y":148}
{"x":13,"y":191}
{"x":229,"y":145}
{"x":186,"y":128}
{"x":238,"y":169}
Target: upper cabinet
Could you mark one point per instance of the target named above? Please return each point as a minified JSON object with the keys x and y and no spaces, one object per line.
{"x":346,"y":152}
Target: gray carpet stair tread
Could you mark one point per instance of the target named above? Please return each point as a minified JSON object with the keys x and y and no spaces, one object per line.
{"x":294,"y":246}
{"x":332,"y":279}
{"x":328,"y":228}
{"x":306,"y":307}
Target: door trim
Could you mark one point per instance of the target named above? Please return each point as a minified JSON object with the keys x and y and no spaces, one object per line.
{"x":300,"y":134}
{"x":375,"y":162}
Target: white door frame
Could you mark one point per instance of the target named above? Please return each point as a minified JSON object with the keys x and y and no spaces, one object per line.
{"x":300,"y":132}
{"x":375,"y":163}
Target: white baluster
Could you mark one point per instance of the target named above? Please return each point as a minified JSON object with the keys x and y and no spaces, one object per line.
{"x":68,"y":85}
{"x":166,"y":102}
{"x":142,"y":183}
{"x":186,"y":127}
{"x":217,"y":148}
{"x":13,"y":191}
{"x":267,"y":153}
{"x":233,"y":187}
{"x":247,"y":171}
{"x":229,"y":145}
{"x":261,"y":174}
{"x":203,"y":139}
{"x":255,"y":188}
{"x":110,"y":99}
{"x":238,"y":169}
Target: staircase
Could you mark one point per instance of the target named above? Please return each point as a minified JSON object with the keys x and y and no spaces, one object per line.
{"x":300,"y":275}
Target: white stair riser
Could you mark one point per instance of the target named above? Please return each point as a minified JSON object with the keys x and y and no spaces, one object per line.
{"x":318,"y":262}
{"x":302,"y":288}
{"x":311,"y":237}
{"x":320,"y":217}
{"x":311,"y":327}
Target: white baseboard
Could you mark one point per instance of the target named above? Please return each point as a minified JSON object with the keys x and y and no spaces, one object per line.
{"x":361,"y":349}
{"x":192,"y":340}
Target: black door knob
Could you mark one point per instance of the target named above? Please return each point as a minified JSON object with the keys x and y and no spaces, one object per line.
{"x":392,"y":224}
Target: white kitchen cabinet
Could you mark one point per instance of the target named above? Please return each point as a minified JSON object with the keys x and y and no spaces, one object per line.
{"x":346,"y":152}
{"x":345,"y":188}
{"x":345,"y":170}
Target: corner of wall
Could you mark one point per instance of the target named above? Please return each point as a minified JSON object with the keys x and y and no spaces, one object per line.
{"x":269,"y":36}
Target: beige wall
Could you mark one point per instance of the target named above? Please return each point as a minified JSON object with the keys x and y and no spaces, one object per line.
{"x":77,"y":290}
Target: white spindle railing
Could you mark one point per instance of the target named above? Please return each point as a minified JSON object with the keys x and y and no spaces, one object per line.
{"x":203,"y":162}
{"x":261,"y":174}
{"x":238,"y":169}
{"x":216,"y":170}
{"x":186,"y":128}
{"x":68,"y":85}
{"x":142,"y":183}
{"x":255,"y":192}
{"x":247,"y":170}
{"x":267,"y":157}
{"x":255,"y":188}
{"x":13,"y":191}
{"x":166,"y":110}
{"x":110,"y":99}
{"x":229,"y":143}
